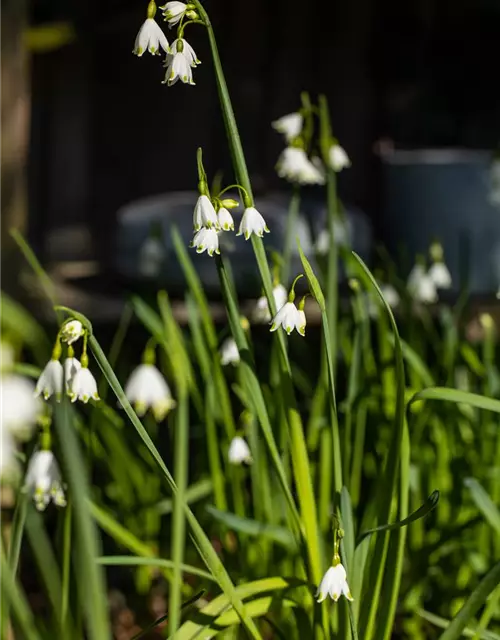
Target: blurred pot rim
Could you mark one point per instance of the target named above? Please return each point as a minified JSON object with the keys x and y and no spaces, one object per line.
{"x":435,"y":156}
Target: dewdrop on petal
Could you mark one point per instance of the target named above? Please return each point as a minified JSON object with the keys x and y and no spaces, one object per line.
{"x":239,"y":451}
{"x":252,"y":222}
{"x":43,"y":480}
{"x":147,"y":389}
{"x":290,"y":125}
{"x":150,"y":36}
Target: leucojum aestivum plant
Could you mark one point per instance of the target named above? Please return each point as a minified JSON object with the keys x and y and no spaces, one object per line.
{"x":249,"y":492}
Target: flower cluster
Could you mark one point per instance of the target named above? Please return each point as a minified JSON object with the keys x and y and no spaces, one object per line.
{"x":180,"y":59}
{"x":212,"y":216}
{"x":73,"y":376}
{"x":423,"y":284}
{"x":294,"y":163}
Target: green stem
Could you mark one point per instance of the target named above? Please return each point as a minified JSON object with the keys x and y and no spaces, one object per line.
{"x":213,"y":452}
{"x":179,"y":522}
{"x":291,"y":226}
{"x":205,"y":547}
{"x":66,"y":563}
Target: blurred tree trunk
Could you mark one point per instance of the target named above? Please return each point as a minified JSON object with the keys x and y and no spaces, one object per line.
{"x":15,"y":105}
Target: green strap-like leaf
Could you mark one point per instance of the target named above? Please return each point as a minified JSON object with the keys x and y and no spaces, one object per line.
{"x":421,"y":512}
{"x":484,"y":503}
{"x":443,"y":623}
{"x":459,"y":397}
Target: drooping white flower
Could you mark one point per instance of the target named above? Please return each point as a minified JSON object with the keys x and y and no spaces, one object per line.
{"x":342,"y":237}
{"x":252,"y":222}
{"x":178,"y":68}
{"x":239,"y":451}
{"x":83,"y":386}
{"x":225,"y":219}
{"x":338,"y":158}
{"x":50,"y":381}
{"x":187,"y":50}
{"x":71,"y":366}
{"x":72,"y":331}
{"x":20,"y":408}
{"x":150,"y":38}
{"x":152,"y":255}
{"x":206,"y":240}
{"x":261,"y":312}
{"x":290,"y":125}
{"x":440,"y":275}
{"x":173,"y":12}
{"x":43,"y":480}
{"x":421,"y":286}
{"x":147,"y":389}
{"x":229,"y":353}
{"x":294,"y":165}
{"x":9,"y":465}
{"x":391,"y":296}
{"x":289,"y":318}
{"x":204,"y":214}
{"x":334,"y":584}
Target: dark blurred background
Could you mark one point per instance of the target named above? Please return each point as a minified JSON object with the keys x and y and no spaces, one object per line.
{"x":93,"y":128}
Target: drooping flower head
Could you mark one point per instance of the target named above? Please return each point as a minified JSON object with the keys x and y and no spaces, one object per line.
{"x":83,"y":385}
{"x":229,"y":353}
{"x":239,"y":451}
{"x":421,"y":286}
{"x":71,"y":331}
{"x":173,"y":12}
{"x":252,"y":222}
{"x":43,"y":480}
{"x":334,"y":582}
{"x":338,"y":158}
{"x":261,"y":312}
{"x":289,"y":316}
{"x":179,"y":64}
{"x":150,"y":37}
{"x":294,"y":165}
{"x":147,"y":389}
{"x":290,"y":125}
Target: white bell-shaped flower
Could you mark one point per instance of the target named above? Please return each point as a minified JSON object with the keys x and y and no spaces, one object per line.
{"x":147,"y":389}
{"x":391,"y":296}
{"x":229,"y":353}
{"x":294,"y":165}
{"x":338,"y":158}
{"x":334,"y":584}
{"x":19,"y":408}
{"x":204,"y":214}
{"x":290,"y":125}
{"x":206,"y":240}
{"x":187,"y":50}
{"x":152,"y":256}
{"x":43,"y":480}
{"x":421,"y":286}
{"x":252,"y":222}
{"x":173,"y":12}
{"x":261,"y":311}
{"x":440,"y":275}
{"x":342,"y":237}
{"x":71,"y":366}
{"x":9,"y":465}
{"x":289,"y":318}
{"x":225,"y":219}
{"x":83,"y":386}
{"x":150,"y":38}
{"x":239,"y":451}
{"x":50,"y":381}
{"x":178,"y":68}
{"x":72,"y":331}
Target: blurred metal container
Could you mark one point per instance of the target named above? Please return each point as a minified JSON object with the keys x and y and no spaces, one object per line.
{"x":445,"y":195}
